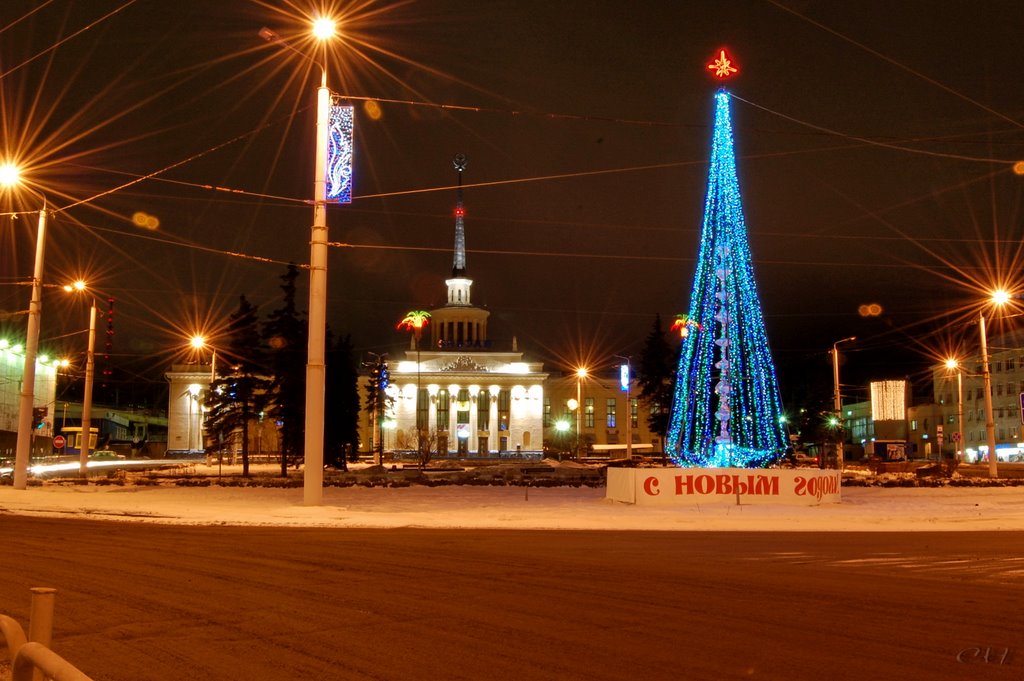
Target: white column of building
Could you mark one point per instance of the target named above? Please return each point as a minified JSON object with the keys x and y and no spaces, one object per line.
{"x":453,"y":413}
{"x":431,"y":414}
{"x":492,"y":438}
{"x":474,"y":443}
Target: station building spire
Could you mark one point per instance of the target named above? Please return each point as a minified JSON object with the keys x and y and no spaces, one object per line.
{"x":459,"y":324}
{"x":459,"y":263}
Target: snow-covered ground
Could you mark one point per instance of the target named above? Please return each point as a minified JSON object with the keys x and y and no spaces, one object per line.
{"x":862,"y":508}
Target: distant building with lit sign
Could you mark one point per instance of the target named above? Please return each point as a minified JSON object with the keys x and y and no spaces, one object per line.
{"x":12,"y":365}
{"x":1006,"y":364}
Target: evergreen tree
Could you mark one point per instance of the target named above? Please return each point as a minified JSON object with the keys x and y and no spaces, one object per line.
{"x":341,"y":433}
{"x":238,"y":393}
{"x":378,"y":402}
{"x":657,"y":377}
{"x":726,"y":409}
{"x":285,"y":334}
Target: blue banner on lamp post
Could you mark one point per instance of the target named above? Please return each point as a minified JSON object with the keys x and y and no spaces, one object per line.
{"x":339,"y":154}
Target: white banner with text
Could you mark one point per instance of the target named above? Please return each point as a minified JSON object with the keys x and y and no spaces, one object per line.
{"x":685,"y":486}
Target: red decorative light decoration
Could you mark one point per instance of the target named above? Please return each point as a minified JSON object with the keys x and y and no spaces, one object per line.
{"x":722,"y":66}
{"x":683,"y":324}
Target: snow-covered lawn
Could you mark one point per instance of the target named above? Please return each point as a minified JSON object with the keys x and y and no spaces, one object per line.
{"x":513,"y":507}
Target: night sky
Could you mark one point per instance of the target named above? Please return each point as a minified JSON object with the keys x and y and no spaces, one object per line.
{"x":875,"y":143}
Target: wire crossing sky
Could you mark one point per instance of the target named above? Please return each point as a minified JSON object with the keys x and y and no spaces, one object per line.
{"x":726,"y":410}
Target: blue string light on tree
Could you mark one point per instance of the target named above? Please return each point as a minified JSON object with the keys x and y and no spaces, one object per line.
{"x":726,"y":409}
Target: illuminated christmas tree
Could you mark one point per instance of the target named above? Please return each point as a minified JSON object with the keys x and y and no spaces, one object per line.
{"x":726,"y":409}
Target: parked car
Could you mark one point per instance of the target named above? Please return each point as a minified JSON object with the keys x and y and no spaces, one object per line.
{"x":105,"y":455}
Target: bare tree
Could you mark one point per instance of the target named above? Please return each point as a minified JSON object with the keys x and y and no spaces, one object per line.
{"x":426,"y":441}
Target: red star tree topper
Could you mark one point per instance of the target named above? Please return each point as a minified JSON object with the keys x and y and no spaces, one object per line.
{"x":722,"y":66}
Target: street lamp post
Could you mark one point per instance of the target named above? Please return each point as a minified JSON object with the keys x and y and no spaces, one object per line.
{"x":316,"y":369}
{"x":954,"y":364}
{"x":323,"y":29}
{"x":837,"y":400}
{"x":85,"y":435}
{"x":574,"y":406}
{"x":416,"y":320}
{"x":990,"y":422}
{"x":625,"y":378}
{"x":90,"y":372}
{"x":10,"y":177}
{"x":193,"y":415}
{"x":198,"y":342}
{"x":581,"y":373}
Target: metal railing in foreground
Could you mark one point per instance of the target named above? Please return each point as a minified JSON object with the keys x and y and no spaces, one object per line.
{"x":31,"y":657}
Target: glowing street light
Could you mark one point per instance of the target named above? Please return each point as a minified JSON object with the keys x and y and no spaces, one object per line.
{"x":198,"y":342}
{"x":316,"y":379}
{"x":90,"y":371}
{"x":581,"y":373}
{"x":998,"y":298}
{"x":323,"y":29}
{"x":837,"y":400}
{"x":954,"y":365}
{"x":10,"y":177}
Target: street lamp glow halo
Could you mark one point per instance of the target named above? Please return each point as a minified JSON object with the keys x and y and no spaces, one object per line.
{"x":952,"y":363}
{"x":324,"y":28}
{"x":1000,"y":297}
{"x":198,"y":342}
{"x":10,"y":175}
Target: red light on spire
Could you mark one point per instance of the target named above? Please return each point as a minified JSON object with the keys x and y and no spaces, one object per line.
{"x":722,"y":66}
{"x":460,"y":212}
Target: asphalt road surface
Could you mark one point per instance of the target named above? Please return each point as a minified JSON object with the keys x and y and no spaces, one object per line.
{"x":157,"y":602}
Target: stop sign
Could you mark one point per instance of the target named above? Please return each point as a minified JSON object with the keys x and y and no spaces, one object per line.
{"x":58,"y":442}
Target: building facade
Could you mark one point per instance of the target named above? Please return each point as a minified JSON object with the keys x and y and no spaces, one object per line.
{"x":186,"y":408}
{"x":597,"y":410}
{"x":12,"y":366}
{"x":456,"y":394}
{"x":1006,"y":366}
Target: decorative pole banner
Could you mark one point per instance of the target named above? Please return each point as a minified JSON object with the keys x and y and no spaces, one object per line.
{"x":339,"y":154}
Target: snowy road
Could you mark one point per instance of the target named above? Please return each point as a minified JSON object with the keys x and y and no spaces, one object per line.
{"x":147,"y":601}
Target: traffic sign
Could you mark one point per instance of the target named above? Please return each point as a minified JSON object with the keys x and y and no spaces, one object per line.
{"x":59,"y":442}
